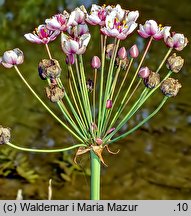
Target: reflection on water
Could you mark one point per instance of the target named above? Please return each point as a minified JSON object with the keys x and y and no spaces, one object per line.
{"x":154,"y":162}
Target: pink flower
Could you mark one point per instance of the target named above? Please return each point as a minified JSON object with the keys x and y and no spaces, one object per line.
{"x":57,"y":22}
{"x":134,"y":51}
{"x":98,"y":15}
{"x":109,"y":104}
{"x":152,"y":29}
{"x":120,"y":28}
{"x":79,"y":30}
{"x":122,"y":53}
{"x":144,"y":72}
{"x":95,"y":63}
{"x":42,"y":35}
{"x":75,"y":45}
{"x":175,"y":40}
{"x":12,"y":57}
{"x":77,"y":17}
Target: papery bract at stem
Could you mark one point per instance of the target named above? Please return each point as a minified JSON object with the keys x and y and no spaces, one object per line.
{"x":42,"y":35}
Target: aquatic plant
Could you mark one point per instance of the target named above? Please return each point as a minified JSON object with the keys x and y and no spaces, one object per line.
{"x":95,"y":110}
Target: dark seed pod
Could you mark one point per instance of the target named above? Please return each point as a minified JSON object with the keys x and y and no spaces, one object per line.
{"x":175,"y":63}
{"x":124,"y":63}
{"x":54,"y":93}
{"x":5,"y":135}
{"x":170,"y":87}
{"x":152,"y":80}
{"x":90,"y":85}
{"x":49,"y":68}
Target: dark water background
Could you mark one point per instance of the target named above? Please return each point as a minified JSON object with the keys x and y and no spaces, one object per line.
{"x":154,"y":162}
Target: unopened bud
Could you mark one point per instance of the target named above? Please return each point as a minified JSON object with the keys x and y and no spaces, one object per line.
{"x":95,"y":63}
{"x":5,"y":135}
{"x":122,"y":53}
{"x":109,"y":104}
{"x":175,"y":63}
{"x":170,"y":87}
{"x":152,"y":80}
{"x":94,"y":126}
{"x":99,"y":141}
{"x":54,"y":93}
{"x":110,"y":131}
{"x":90,"y":85}
{"x":144,"y":72}
{"x":49,"y":68}
{"x":70,"y":59}
{"x":133,"y":51}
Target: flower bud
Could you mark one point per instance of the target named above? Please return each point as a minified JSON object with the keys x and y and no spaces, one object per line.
{"x":49,"y":68}
{"x":99,"y":141}
{"x":152,"y":80}
{"x":90,"y":85}
{"x":170,"y":87}
{"x":109,"y":104}
{"x":70,"y":59}
{"x":144,"y":72}
{"x":94,"y":126}
{"x":54,"y":93}
{"x":175,"y":63}
{"x":122,"y":53}
{"x":5,"y":135}
{"x":134,"y":52}
{"x":95,"y":63}
{"x":110,"y":131}
{"x":12,"y":57}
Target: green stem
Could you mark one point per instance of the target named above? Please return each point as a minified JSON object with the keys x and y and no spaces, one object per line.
{"x":141,"y":123}
{"x":45,"y":106}
{"x":44,"y":150}
{"x":94,"y":95}
{"x":135,"y":107}
{"x":164,"y":59}
{"x":101,"y":79}
{"x":95,"y":176}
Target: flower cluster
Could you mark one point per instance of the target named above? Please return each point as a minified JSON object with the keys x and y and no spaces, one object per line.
{"x":92,"y":119}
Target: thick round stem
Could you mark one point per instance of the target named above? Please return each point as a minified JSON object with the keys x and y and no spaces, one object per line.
{"x":44,"y":150}
{"x":45,"y":106}
{"x":95,"y":176}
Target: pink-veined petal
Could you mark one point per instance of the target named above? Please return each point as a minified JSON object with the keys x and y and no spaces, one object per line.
{"x":33,"y":38}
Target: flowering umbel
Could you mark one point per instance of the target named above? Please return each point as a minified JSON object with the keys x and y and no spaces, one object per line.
{"x":97,"y":105}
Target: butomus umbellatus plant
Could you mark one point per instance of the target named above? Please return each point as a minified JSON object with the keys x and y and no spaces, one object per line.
{"x":95,"y":110}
